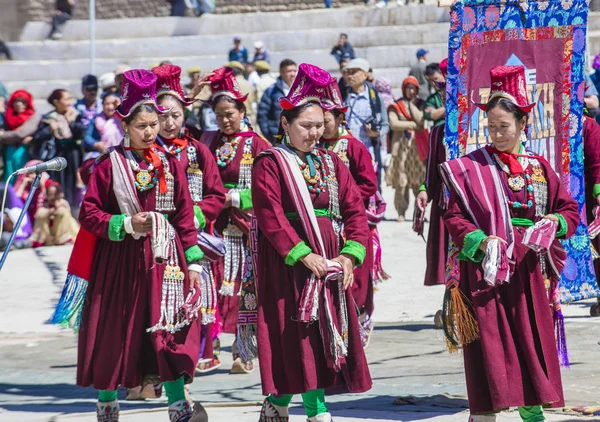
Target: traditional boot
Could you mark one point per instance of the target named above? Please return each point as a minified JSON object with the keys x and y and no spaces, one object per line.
{"x":482,"y":418}
{"x":323,"y":417}
{"x":107,"y":412}
{"x":185,"y":411}
{"x":273,"y":413}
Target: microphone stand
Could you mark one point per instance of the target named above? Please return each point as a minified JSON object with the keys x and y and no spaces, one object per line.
{"x":34,"y":186}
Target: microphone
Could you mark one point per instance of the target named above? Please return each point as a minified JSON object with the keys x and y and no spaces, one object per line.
{"x":56,"y":164}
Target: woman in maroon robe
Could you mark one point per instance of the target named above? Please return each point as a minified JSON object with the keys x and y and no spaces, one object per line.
{"x":357,"y":158}
{"x":302,"y":196}
{"x":205,"y":185}
{"x":234,"y":148}
{"x":133,"y":331}
{"x":496,"y":194}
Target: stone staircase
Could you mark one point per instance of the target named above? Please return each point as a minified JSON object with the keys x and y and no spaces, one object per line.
{"x":388,"y":38}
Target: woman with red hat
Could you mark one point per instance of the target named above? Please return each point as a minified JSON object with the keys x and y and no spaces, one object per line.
{"x":506,"y":212}
{"x":138,"y":250}
{"x":234,"y":148}
{"x":205,"y":186}
{"x":357,"y":158}
{"x":308,"y":329}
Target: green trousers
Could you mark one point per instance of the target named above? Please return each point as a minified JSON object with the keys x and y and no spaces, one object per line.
{"x":314,"y":402}
{"x":174,"y":389}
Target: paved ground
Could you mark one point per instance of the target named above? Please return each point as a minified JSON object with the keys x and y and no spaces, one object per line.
{"x":406,"y":355}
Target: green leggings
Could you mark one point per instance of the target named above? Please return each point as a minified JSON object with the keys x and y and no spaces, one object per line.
{"x":532,"y":413}
{"x":174,"y":390}
{"x":314,"y":402}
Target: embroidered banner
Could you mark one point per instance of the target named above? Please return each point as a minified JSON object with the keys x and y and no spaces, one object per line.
{"x":548,"y":39}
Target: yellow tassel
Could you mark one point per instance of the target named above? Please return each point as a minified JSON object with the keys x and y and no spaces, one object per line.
{"x":460,"y":325}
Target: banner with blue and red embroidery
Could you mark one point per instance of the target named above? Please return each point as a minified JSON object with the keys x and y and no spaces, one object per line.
{"x":548,"y":38}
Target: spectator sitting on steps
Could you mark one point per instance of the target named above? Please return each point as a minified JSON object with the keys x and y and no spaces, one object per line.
{"x":238,"y":53}
{"x":261,"y":52}
{"x":63,"y":13}
{"x":343,"y":50}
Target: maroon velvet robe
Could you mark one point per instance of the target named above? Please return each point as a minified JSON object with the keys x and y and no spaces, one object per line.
{"x":124,"y":294}
{"x":213,"y":200}
{"x":291,"y":354}
{"x":515,"y":363}
{"x":360,"y":164}
{"x":591,"y":151}
{"x":229,"y":305}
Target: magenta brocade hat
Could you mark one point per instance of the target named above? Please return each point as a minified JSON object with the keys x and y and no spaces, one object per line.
{"x":169,"y":82}
{"x":223,"y":82}
{"x":334,"y":96}
{"x":311,"y":85}
{"x":509,"y":82}
{"x":139,"y":87}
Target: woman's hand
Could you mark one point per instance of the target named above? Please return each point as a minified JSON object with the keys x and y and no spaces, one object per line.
{"x":100,"y":147}
{"x":316,"y":264}
{"x":422,"y":200}
{"x":347,"y":263}
{"x":200,"y":84}
{"x":484,"y":244}
{"x":141,"y":223}
{"x":551,"y":217}
{"x":227,"y":200}
{"x":27,"y":140}
{"x":194,"y":278}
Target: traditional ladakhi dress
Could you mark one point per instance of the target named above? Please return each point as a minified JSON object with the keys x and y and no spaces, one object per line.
{"x":208,"y":195}
{"x":126,"y":287}
{"x":293,"y":355}
{"x":357,"y":158}
{"x":233,"y":223}
{"x":406,"y":170}
{"x":437,"y":235}
{"x":515,"y":361}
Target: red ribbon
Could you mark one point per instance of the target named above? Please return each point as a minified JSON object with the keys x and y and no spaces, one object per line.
{"x":152,"y":157}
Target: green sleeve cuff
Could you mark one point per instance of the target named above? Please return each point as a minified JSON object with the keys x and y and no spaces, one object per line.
{"x":246,"y":199}
{"x":423,"y":188}
{"x":596,"y":191}
{"x":199,"y":216}
{"x":297,"y":252}
{"x":193,"y":254}
{"x":561,"y":230}
{"x":356,"y":250}
{"x":116,"y":231}
{"x":470,"y":250}
{"x":427,"y":115}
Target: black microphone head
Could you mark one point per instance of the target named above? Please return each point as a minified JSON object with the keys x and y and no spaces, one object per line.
{"x":56,"y":164}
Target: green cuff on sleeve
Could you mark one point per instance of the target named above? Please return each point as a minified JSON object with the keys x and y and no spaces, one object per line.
{"x":193,"y":254}
{"x":561,"y":230}
{"x":423,"y":188}
{"x":200,"y":216}
{"x":596,"y":190}
{"x":116,"y":231}
{"x":356,"y":250}
{"x":246,"y":199}
{"x":297,"y":252}
{"x":470,"y":250}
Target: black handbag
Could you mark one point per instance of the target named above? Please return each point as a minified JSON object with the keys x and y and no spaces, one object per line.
{"x":45,"y":150}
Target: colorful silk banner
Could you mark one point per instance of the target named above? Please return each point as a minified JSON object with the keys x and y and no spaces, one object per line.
{"x":548,"y":38}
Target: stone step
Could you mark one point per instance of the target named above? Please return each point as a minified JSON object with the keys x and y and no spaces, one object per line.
{"x":342,"y":18}
{"x":593,"y":21}
{"x":323,"y":38}
{"x":379,"y":57}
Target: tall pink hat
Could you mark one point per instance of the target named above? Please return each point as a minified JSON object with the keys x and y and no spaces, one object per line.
{"x":223,"y":82}
{"x":139,"y":87}
{"x":169,"y":82}
{"x":509,"y":82}
{"x":311,"y":85}
{"x":334,"y":96}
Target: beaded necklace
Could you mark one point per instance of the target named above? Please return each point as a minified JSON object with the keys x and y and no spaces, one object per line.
{"x":226,"y":153}
{"x":144,"y":179}
{"x":316,"y":177}
{"x":516,"y":183}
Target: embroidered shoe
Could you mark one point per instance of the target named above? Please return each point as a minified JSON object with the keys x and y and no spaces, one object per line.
{"x":482,"y":418}
{"x":185,"y":411}
{"x":107,"y":412}
{"x":323,"y":417}
{"x":273,"y":413}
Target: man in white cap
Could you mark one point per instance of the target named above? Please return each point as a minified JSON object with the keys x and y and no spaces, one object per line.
{"x":365,"y":114}
{"x":107,"y":82}
{"x":261,"y":53}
